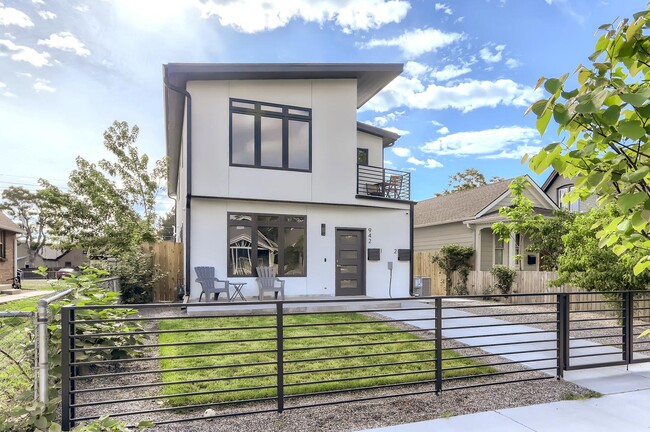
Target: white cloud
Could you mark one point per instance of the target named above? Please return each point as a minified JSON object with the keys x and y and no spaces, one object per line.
{"x":2,"y":85}
{"x":43,"y":85}
{"x":415,"y":161}
{"x":24,"y":53}
{"x":38,"y":2}
{"x":449,"y":71}
{"x":466,"y":96}
{"x":516,"y":153}
{"x":492,"y":57}
{"x":429,"y":163}
{"x":399,"y":132}
{"x":24,"y":74}
{"x":443,"y":130}
{"x":387,"y":162}
{"x":416,"y":42}
{"x":443,"y":7}
{"x":47,"y":15}
{"x":82,"y":8}
{"x":401,"y":151}
{"x":432,"y":163}
{"x":381,"y":121}
{"x":435,"y":123}
{"x":493,"y":143}
{"x":248,"y":16}
{"x":512,"y":63}
{"x":415,"y":69}
{"x":66,"y":41}
{"x":12,"y":16}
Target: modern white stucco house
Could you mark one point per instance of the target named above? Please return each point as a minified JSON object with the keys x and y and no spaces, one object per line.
{"x":269,"y":166}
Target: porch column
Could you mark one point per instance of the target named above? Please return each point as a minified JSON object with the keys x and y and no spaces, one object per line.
{"x":477,"y":248}
{"x":512,"y":252}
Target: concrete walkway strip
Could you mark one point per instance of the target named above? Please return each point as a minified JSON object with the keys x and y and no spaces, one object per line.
{"x":22,"y":295}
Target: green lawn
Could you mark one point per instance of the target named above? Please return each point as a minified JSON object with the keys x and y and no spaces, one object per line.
{"x":41,"y":284}
{"x":417,"y":371}
{"x":20,"y":305}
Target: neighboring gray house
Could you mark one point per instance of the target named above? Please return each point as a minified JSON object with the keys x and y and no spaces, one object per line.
{"x":557,"y":186}
{"x":466,"y":218}
{"x":51,"y":258}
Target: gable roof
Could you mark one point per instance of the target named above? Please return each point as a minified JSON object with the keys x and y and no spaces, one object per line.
{"x":458,"y":206}
{"x":8,"y":225}
{"x":551,"y":178}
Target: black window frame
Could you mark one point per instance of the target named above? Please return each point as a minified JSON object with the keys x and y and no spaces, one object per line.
{"x":367,"y":156}
{"x":3,"y":244}
{"x":255,"y":223}
{"x":258,"y":112}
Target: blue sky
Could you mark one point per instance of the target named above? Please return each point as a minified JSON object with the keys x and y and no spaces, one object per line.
{"x":69,"y":68}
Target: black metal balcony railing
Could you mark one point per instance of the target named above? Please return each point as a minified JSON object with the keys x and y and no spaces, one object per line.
{"x":380,"y":182}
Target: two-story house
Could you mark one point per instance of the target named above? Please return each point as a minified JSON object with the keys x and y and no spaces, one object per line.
{"x":556,"y":187}
{"x":269,"y":167}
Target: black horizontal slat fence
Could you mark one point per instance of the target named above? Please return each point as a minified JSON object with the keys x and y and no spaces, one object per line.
{"x":159,"y":363}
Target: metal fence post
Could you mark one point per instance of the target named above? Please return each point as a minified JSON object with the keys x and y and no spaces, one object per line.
{"x":43,"y":366}
{"x":67,"y":357}
{"x":563,"y":334}
{"x":628,"y":326}
{"x":279,"y":331}
{"x":438,"y":307}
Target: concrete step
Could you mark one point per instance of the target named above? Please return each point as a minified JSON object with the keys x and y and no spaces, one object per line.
{"x":11,"y":291}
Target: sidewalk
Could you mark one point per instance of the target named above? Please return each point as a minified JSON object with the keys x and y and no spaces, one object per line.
{"x":624,"y":406}
{"x":626,"y":410}
{"x":23,"y":295}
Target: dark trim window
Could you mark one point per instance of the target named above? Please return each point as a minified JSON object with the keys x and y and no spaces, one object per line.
{"x":362,"y":156}
{"x":266,"y":135}
{"x":3,"y":244}
{"x":561,"y":192}
{"x":267,"y":240}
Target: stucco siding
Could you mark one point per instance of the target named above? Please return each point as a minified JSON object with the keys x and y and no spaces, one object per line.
{"x":375,"y":147}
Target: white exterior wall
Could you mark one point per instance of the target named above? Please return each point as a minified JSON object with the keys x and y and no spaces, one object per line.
{"x":334,"y":141}
{"x":375,"y":146}
{"x":390,"y":231}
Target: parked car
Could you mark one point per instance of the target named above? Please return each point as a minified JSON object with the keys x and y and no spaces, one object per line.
{"x":65,"y":272}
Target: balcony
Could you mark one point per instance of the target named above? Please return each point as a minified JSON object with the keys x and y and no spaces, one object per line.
{"x":377,"y":182}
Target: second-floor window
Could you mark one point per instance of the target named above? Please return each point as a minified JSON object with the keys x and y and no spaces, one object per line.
{"x":561,"y":192}
{"x":266,"y":135}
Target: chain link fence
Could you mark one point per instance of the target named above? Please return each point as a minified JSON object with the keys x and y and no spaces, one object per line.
{"x":17,"y":357}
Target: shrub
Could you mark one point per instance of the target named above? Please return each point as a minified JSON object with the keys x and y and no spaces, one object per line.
{"x":452,"y":258}
{"x":137,"y":275}
{"x":505,"y":277}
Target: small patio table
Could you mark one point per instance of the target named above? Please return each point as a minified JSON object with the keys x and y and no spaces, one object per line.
{"x":238,"y":287}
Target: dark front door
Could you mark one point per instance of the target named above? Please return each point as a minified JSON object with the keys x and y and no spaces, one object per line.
{"x":350,"y":254}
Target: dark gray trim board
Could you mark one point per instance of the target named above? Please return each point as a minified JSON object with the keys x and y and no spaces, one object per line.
{"x":208,"y":197}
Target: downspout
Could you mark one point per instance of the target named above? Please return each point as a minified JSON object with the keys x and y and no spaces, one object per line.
{"x":411,"y":223}
{"x":188,"y":197}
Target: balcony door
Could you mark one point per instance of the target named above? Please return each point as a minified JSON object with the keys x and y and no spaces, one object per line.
{"x":350,"y":260}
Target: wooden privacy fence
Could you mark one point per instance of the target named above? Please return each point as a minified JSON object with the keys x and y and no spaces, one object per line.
{"x":526,"y":282}
{"x":168,"y":262}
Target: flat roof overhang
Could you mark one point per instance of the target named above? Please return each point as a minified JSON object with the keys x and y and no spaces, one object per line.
{"x":371,"y":78}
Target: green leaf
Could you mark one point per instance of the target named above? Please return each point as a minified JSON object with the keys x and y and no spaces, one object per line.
{"x":619,"y":249}
{"x":560,"y":114}
{"x":569,"y":95}
{"x":631,"y":129}
{"x":538,"y":107}
{"x":641,"y":266}
{"x":635,"y":99}
{"x":638,"y":221}
{"x":637,"y":175}
{"x":542,"y":122}
{"x":629,"y":201}
{"x":612,"y":114}
{"x":552,"y":85}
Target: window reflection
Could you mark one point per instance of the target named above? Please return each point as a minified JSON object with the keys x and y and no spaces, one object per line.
{"x":271,"y":142}
{"x":243,"y":139}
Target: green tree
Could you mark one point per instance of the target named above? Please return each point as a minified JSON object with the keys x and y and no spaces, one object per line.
{"x":469,"y":179}
{"x":543,"y":233}
{"x":110,"y":206}
{"x":167,"y":225}
{"x":605,"y":122}
{"x":33,"y":212}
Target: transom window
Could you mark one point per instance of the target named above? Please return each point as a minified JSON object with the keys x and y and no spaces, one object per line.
{"x":265,"y":135}
{"x":561,"y":192}
{"x":266,"y":240}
